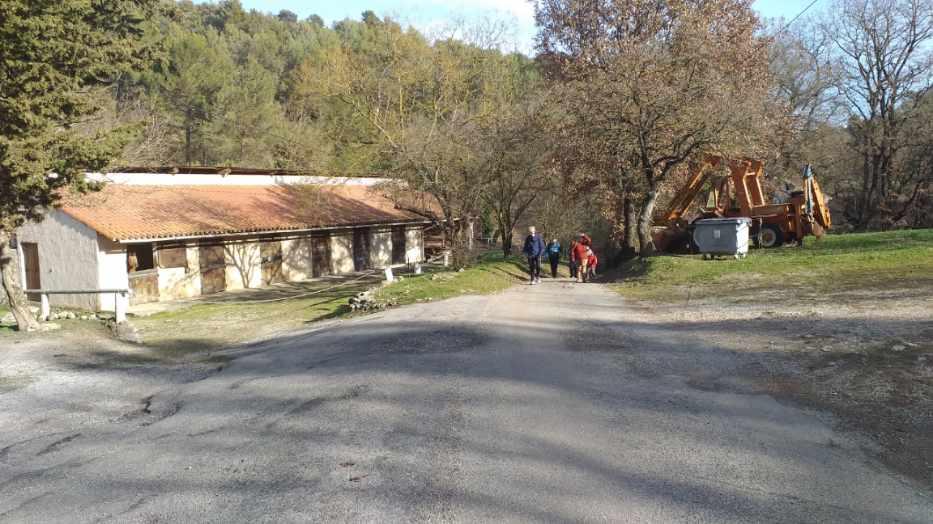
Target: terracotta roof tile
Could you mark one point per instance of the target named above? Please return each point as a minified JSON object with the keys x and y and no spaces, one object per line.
{"x":134,"y":212}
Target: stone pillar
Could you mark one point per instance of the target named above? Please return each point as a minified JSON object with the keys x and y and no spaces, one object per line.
{"x":120,"y":304}
{"x":44,"y":310}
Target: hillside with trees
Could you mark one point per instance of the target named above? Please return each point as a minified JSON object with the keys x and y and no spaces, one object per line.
{"x":594,"y":131}
{"x":619,"y":99}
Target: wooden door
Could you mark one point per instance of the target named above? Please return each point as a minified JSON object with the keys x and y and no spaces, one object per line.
{"x":271,"y":259}
{"x":213,"y":269}
{"x":320,"y":256}
{"x":31,"y":267}
{"x":398,"y":245}
{"x":361,"y":244}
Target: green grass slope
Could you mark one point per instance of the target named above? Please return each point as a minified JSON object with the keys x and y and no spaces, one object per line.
{"x":491,"y":273}
{"x":897,"y":259}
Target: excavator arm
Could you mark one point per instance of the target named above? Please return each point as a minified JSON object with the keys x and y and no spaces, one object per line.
{"x":815,"y":203}
{"x":699,"y":174}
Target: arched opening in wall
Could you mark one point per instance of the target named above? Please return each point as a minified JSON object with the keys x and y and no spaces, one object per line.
{"x":398,"y":245}
{"x":320,"y":256}
{"x":142,"y":274}
{"x":213,"y":268}
{"x":361,"y":248}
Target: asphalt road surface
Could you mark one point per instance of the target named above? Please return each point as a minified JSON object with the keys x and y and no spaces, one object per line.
{"x":543,"y":403}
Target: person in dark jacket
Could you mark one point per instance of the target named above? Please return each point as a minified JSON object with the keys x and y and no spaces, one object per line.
{"x":533,"y":249}
{"x":572,"y":259}
{"x":553,"y":256}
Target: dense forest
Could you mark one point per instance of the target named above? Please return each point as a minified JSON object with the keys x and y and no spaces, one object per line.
{"x":593,"y":131}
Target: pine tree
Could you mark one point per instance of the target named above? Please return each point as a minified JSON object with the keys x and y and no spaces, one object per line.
{"x":52,"y":52}
{"x":198,"y":67}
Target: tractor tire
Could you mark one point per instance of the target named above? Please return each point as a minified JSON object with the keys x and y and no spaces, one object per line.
{"x":770,"y":236}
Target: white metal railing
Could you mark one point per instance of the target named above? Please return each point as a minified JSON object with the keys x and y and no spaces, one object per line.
{"x":120,"y":300}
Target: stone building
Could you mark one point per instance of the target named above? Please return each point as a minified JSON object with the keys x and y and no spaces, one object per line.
{"x":176,"y":233}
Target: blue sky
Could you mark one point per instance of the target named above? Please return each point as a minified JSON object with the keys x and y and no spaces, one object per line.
{"x":437,"y":15}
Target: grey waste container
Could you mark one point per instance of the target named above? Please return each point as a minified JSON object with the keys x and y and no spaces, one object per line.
{"x":722,"y":236}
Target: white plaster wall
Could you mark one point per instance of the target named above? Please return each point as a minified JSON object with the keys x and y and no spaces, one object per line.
{"x":182,"y":179}
{"x":341,"y":253}
{"x":67,"y":257}
{"x":111,"y":269}
{"x":244,"y":265}
{"x":380,"y":248}
{"x":296,"y":259}
{"x":414,"y":245}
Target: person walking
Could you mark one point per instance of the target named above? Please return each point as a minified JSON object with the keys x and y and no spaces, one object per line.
{"x":571,"y":256}
{"x":553,"y":256}
{"x":533,"y":249}
{"x":581,"y":256}
{"x":591,"y":263}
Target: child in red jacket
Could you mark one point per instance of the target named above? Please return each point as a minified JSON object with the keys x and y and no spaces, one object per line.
{"x":591,"y":264}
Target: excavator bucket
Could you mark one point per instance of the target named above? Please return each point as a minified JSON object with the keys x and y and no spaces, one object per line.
{"x":815,"y":202}
{"x":820,"y":209}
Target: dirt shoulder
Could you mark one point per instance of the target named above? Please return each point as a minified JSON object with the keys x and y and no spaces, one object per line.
{"x":866,"y":356}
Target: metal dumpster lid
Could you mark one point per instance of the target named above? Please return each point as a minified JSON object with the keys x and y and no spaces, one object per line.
{"x":735,"y":220}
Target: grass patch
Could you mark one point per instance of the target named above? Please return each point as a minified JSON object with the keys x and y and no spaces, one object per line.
{"x":492,"y":273}
{"x":189,"y":332}
{"x":897,"y":259}
{"x":6,"y":328}
{"x":204,"y":326}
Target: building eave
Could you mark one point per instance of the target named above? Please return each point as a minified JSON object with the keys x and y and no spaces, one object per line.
{"x":242,"y":234}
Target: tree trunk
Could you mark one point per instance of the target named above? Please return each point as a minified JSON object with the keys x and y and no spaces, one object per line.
{"x":187,"y":145}
{"x":14,"y":294}
{"x":645,"y":219}
{"x":188,"y":126}
{"x":506,"y":226}
{"x":507,"y":242}
{"x":456,"y":244}
{"x":629,"y":227}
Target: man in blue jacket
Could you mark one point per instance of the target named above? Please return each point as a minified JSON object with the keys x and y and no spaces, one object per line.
{"x":533,"y":249}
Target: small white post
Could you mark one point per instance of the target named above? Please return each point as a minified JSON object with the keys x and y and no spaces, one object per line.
{"x":417,"y":268}
{"x":44,"y":310}
{"x":119,"y":307}
{"x":446,"y":258}
{"x":389,"y":276}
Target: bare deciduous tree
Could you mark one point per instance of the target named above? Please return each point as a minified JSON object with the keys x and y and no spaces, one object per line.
{"x":666,"y":81}
{"x":885,"y":48}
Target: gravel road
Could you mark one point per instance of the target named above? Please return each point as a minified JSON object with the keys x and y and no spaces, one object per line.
{"x":543,"y":403}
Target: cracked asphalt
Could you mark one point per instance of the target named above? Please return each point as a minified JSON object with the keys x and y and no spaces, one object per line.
{"x":543,"y":403}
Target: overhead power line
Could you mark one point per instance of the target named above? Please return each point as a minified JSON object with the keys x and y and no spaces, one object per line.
{"x":794,"y":19}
